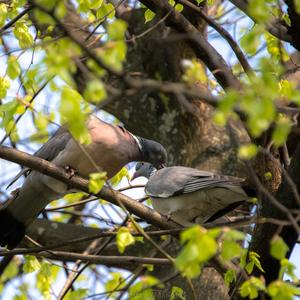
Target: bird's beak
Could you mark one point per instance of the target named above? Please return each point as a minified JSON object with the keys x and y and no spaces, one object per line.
{"x":134,"y":176}
{"x":161,"y":166}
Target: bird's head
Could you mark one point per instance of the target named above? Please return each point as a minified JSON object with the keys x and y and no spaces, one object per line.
{"x":143,"y":169}
{"x":152,"y":152}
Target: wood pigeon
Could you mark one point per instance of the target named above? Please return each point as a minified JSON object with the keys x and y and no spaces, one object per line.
{"x":112,"y":147}
{"x":189,"y":195}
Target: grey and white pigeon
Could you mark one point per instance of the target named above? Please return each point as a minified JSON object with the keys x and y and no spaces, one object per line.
{"x":189,"y":195}
{"x":112,"y":147}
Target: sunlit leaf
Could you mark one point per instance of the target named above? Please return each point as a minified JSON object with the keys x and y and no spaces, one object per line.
{"x":72,"y":114}
{"x":23,"y":35}
{"x":149,"y":15}
{"x":124,"y":239}
{"x":4,"y":86}
{"x":31,"y":264}
{"x":96,"y":182}
{"x":177,"y":293}
{"x":280,"y":290}
{"x":251,"y":287}
{"x":247,"y":151}
{"x":279,"y":248}
{"x":229,"y":277}
{"x":3,"y":13}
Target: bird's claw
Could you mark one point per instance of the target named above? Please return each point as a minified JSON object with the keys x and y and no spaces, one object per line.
{"x":70,"y":171}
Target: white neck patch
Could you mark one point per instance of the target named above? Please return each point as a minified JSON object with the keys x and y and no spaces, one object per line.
{"x":137,"y":141}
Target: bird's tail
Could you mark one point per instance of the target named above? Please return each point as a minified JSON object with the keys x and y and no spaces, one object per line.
{"x":11,"y":230}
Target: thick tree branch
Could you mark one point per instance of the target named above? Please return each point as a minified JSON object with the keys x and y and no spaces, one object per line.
{"x":264,"y":232}
{"x":275,"y":27}
{"x":80,"y":183}
{"x":198,"y":43}
{"x":225,"y":34}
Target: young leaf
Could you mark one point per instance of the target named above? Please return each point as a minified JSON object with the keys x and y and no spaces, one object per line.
{"x":149,"y":15}
{"x":177,"y":293}
{"x":31,"y":264}
{"x":252,"y":287}
{"x":280,"y":290}
{"x":279,"y":248}
{"x":96,"y":182}
{"x":124,"y":239}
{"x":229,"y":277}
{"x":247,"y":151}
{"x":4,"y":86}
{"x":13,"y":68}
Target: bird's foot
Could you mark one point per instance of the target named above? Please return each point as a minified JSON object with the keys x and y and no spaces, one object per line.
{"x":70,"y":171}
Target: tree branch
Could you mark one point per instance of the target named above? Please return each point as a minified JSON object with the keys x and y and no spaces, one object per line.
{"x":114,"y":197}
{"x":275,"y":27}
{"x":198,"y":43}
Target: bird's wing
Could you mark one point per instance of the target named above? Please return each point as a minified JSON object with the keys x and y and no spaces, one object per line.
{"x":54,"y":145}
{"x":174,"y":181}
{"x":204,"y":182}
{"x":48,"y":151}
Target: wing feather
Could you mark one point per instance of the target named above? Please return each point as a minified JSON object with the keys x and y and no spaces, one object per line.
{"x":173,"y":181}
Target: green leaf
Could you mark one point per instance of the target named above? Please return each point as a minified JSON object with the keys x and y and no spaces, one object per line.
{"x":279,"y":248}
{"x":95,"y":91}
{"x":115,"y":54}
{"x":124,"y":239}
{"x":229,"y":277}
{"x":282,"y":130}
{"x":23,"y":35}
{"x":200,"y":246}
{"x":194,"y":72}
{"x":179,"y":7}
{"x":286,"y":18}
{"x":3,"y":13}
{"x":78,"y":294}
{"x":259,"y":10}
{"x":116,"y":30}
{"x":44,"y":280}
{"x":142,"y":289}
{"x":4,"y":86}
{"x":95,"y":4}
{"x":117,"y":282}
{"x":96,"y":182}
{"x":297,"y":6}
{"x":177,"y":293}
{"x":106,"y":10}
{"x":71,"y":113}
{"x":31,"y":264}
{"x":247,"y":151}
{"x":74,"y":197}
{"x":252,"y":39}
{"x":148,"y":15}
{"x":252,"y":287}
{"x":288,"y":268}
{"x":253,"y":259}
{"x":220,"y":118}
{"x":234,"y":235}
{"x":118,"y":177}
{"x":230,"y":249}
{"x":11,"y":270}
{"x":280,"y":290}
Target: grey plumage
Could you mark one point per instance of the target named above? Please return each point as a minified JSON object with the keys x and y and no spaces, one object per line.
{"x":189,"y":195}
{"x":112,"y":147}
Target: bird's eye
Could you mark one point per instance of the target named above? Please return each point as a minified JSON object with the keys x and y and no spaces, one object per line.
{"x":138,"y":165}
